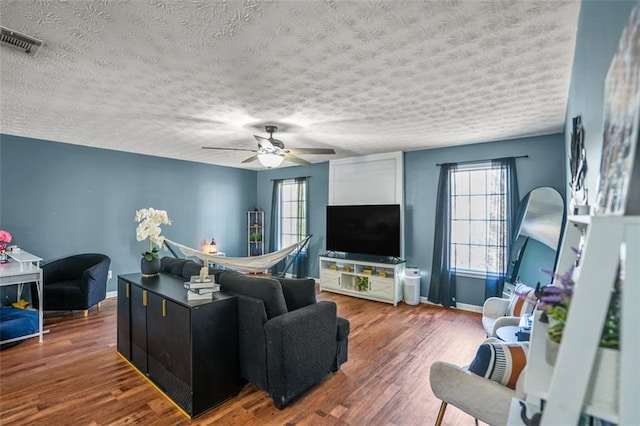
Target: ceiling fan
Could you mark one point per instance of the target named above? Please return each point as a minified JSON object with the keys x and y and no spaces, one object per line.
{"x":271,"y":152}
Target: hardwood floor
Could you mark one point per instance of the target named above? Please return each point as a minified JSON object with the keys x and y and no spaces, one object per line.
{"x":75,"y":377}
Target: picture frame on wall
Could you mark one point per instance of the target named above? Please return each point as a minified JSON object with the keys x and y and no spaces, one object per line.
{"x":619,"y":185}
{"x":578,"y":168}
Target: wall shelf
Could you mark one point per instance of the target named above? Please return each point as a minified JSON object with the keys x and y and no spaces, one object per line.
{"x":255,"y":223}
{"x":570,"y":386}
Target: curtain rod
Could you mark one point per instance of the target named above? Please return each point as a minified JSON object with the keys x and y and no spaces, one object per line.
{"x":297,"y":177}
{"x":479,"y":161}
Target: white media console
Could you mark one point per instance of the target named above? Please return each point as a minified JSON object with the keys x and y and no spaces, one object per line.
{"x":380,"y":281}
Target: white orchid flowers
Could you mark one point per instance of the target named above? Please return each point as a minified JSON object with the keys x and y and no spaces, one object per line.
{"x":149,"y":227}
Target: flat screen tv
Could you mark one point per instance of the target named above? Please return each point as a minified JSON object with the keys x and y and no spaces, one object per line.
{"x":364,"y":229}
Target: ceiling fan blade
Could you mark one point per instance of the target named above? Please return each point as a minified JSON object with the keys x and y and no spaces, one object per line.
{"x":296,"y":160}
{"x":250,"y":159}
{"x":229,"y":149}
{"x":311,"y":151}
{"x":264,"y":142}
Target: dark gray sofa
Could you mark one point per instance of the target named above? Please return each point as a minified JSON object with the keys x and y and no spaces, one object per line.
{"x":288,"y":340}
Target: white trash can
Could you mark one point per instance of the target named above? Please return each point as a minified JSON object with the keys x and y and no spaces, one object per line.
{"x":412,"y":285}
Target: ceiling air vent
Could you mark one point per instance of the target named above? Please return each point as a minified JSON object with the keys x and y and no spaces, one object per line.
{"x":21,"y":41}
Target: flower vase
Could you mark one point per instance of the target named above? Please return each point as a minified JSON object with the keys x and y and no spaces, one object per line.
{"x":149,"y":268}
{"x":552,"y":347}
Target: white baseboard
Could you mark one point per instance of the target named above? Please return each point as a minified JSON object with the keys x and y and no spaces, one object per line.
{"x":461,"y":306}
{"x":112,"y":294}
{"x":470,"y":308}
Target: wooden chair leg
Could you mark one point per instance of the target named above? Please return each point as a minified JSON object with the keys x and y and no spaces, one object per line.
{"x":443,"y":407}
{"x":98,"y":305}
{"x":86,"y":312}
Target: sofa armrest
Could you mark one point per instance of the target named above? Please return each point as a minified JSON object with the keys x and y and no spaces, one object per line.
{"x":98,"y":272}
{"x":251,"y":340}
{"x":94,"y":282}
{"x":482,"y":398}
{"x":301,"y":349}
{"x":495,"y":307}
{"x":503,"y":322}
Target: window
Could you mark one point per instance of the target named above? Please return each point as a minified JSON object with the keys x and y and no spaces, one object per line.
{"x":292,"y":217}
{"x":479,"y":228}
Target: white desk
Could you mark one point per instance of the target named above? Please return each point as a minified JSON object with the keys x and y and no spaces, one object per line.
{"x":24,"y":257}
{"x":19,"y":273}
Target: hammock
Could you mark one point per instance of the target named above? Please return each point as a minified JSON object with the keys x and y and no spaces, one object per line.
{"x":242,"y":264}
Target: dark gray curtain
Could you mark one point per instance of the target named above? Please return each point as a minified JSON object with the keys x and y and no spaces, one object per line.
{"x":494,"y":281}
{"x":274,"y":229}
{"x":442,"y":288}
{"x":296,"y":263}
{"x":300,"y":267}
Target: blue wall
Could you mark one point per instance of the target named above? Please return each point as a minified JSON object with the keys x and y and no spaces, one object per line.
{"x":79,"y":199}
{"x":600,"y":26}
{"x":318,"y":198}
{"x":544,"y":167}
{"x":58,"y":199}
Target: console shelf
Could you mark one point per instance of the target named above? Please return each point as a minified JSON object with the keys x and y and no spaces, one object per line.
{"x":377,"y":281}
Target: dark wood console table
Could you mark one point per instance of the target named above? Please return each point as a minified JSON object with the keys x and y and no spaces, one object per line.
{"x":188,"y":349}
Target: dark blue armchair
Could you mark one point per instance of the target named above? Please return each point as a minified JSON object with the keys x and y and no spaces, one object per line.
{"x":77,"y":282}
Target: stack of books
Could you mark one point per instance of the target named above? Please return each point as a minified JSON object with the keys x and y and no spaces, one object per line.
{"x":201,"y":290}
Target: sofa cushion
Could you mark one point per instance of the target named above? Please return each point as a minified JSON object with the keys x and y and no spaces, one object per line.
{"x":268,"y":290}
{"x":17,"y":322}
{"x":57,"y":295}
{"x":523,"y":301}
{"x":190,"y":269}
{"x":500,"y":362}
{"x":184,"y":268}
{"x":166,"y":262}
{"x":172,"y":265}
{"x":298,"y":292}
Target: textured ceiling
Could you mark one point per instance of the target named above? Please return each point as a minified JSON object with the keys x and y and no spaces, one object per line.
{"x":166,"y":77}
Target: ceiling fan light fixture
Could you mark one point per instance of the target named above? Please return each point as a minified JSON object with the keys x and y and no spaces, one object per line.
{"x":270,"y":160}
{"x":271,"y":152}
{"x":21,"y":41}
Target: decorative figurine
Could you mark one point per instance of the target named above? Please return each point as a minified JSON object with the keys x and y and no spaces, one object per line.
{"x":204,"y":274}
